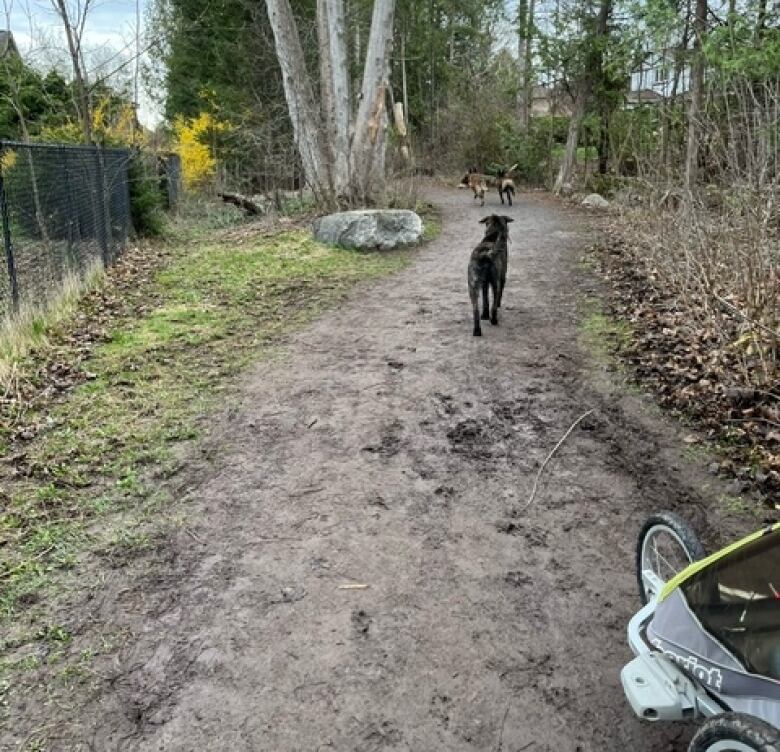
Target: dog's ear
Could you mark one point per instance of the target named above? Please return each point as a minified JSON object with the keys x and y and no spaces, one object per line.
{"x":508,"y":219}
{"x":485,"y":220}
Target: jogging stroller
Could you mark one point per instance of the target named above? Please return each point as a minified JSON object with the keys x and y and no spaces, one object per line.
{"x":707,"y":641}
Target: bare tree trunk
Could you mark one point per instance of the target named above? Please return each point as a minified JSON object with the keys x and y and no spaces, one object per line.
{"x":73,"y":34}
{"x":668,"y":109}
{"x":584,"y":92}
{"x":335,"y":168}
{"x":368,"y":146}
{"x":300,"y":100}
{"x":334,"y":80}
{"x":760,"y":20}
{"x":528,"y":78}
{"x":525,"y":16}
{"x":338,"y":54}
{"x":603,"y":147}
{"x":697,"y":95}
{"x":569,"y":156}
{"x":326,"y":75}
{"x":327,"y":95}
{"x":403,"y":76}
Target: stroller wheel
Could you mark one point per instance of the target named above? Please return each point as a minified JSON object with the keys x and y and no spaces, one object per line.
{"x":736,"y":732}
{"x":667,"y":544}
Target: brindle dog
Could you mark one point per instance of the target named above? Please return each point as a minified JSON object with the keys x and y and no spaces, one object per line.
{"x":487,"y":269}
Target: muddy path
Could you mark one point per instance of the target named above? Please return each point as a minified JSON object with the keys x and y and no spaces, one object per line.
{"x":388,"y":448}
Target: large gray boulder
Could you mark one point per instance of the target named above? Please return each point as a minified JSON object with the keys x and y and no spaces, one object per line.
{"x":370,"y":228}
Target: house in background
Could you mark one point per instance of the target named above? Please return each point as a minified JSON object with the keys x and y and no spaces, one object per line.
{"x":651,"y":83}
{"x":653,"y":80}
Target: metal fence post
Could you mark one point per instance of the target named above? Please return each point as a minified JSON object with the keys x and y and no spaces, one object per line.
{"x":9,"y":250}
{"x":101,"y":224}
{"x":64,"y":158}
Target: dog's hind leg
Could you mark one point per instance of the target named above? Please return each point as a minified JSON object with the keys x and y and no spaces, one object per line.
{"x":509,"y":197}
{"x":501,"y":194}
{"x":485,"y":302}
{"x":494,"y":309}
{"x":474,"y":295}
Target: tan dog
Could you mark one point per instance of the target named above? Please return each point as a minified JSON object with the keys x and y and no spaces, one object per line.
{"x":478,"y":183}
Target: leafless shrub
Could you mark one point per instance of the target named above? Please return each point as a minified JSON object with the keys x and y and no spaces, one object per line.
{"x":717,"y":249}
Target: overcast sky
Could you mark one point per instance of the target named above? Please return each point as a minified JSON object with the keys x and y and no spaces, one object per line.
{"x":109,"y":38}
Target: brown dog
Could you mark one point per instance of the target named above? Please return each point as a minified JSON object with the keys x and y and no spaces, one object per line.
{"x":505,"y":185}
{"x":478,"y":183}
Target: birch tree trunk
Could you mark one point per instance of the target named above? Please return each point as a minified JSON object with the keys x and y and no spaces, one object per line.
{"x":338,"y":53}
{"x":697,"y":95}
{"x":368,"y":146}
{"x":334,"y":81}
{"x":335,"y":168}
{"x":307,"y":125}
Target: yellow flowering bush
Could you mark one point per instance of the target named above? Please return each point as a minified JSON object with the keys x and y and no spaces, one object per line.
{"x":8,"y":160}
{"x":192,"y":143}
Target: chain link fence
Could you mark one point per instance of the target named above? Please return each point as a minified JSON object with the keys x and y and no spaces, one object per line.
{"x":64,"y":209}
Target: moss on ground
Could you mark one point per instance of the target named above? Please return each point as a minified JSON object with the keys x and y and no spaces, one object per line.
{"x":602,"y":336}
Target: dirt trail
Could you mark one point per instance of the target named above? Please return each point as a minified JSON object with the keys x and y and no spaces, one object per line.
{"x":391,"y":448}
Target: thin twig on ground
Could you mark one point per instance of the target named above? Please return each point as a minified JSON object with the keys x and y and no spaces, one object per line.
{"x":550,"y":456}
{"x":501,"y":732}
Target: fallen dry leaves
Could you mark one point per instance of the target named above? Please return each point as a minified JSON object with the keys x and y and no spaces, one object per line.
{"x":692,"y":355}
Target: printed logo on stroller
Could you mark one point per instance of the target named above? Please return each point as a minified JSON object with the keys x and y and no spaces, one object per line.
{"x":709,"y":676}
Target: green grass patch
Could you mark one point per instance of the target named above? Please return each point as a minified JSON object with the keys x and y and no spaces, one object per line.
{"x":26,"y":329}
{"x":602,"y":336}
{"x":431,"y":218}
{"x":216,"y":307}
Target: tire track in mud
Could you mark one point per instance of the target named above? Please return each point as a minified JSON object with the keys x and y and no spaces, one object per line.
{"x":392,"y":450}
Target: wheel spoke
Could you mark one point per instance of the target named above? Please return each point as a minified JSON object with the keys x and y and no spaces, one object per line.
{"x":666,"y":547}
{"x":664,"y":556}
